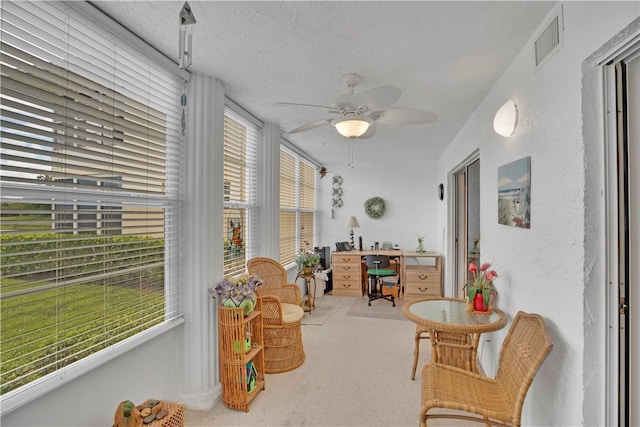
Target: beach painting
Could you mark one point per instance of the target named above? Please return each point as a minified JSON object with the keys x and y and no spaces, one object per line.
{"x":514,"y":193}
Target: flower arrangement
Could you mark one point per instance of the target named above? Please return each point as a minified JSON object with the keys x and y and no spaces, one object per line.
{"x":237,"y":291}
{"x":307,"y":259}
{"x":482,"y":282}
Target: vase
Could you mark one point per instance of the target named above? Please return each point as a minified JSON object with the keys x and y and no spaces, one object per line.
{"x":420,"y":248}
{"x":307,"y":271}
{"x":478,"y":303}
{"x":247,"y":303}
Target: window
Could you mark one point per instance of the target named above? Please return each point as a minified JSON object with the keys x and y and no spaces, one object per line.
{"x":297,"y":206}
{"x":90,"y":130}
{"x":240,"y":169}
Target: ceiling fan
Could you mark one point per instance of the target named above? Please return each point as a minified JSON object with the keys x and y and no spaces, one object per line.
{"x":360,"y":112}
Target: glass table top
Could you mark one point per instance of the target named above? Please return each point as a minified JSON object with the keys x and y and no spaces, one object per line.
{"x":452,"y":312}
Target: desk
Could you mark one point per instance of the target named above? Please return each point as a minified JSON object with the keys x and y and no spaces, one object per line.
{"x":420,"y":272}
{"x":454,"y":331}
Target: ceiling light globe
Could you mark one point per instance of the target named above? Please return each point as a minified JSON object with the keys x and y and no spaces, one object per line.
{"x":352,"y":127}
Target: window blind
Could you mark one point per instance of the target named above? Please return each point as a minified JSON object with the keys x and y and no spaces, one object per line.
{"x":298,"y":229}
{"x":90,"y":177}
{"x":240,"y":182}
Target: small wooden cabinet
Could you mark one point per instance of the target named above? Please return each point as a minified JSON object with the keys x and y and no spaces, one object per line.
{"x":241,"y":359}
{"x":422,"y":273}
{"x":347,"y":274}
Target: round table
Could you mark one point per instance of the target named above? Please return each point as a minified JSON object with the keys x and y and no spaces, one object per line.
{"x":453,"y":328}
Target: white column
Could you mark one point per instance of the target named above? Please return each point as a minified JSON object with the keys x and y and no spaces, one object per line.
{"x":202,"y":257}
{"x":269,"y":197}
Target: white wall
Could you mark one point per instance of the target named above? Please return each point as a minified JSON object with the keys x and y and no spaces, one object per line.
{"x":543,"y":269}
{"x":409,"y":190}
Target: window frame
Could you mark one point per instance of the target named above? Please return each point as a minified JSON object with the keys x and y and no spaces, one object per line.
{"x":45,"y":192}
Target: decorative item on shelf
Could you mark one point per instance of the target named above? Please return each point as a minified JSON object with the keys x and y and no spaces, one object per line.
{"x":481,"y":289}
{"x":476,"y":242}
{"x":237,"y":292}
{"x":308,"y":262}
{"x":420,"y":248}
{"x":374,"y":207}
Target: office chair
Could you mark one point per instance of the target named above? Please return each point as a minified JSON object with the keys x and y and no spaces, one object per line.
{"x":377,"y":270}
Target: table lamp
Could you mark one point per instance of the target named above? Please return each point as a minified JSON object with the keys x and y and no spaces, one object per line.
{"x":352,"y":223}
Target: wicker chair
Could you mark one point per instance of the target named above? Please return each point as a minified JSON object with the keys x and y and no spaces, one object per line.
{"x":281,"y":316}
{"x":496,"y":401}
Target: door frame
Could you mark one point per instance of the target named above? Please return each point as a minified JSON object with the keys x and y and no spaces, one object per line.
{"x":450,"y":288}
{"x":618,"y":371}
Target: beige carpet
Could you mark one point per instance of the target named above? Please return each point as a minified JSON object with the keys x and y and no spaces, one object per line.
{"x":379,"y":309}
{"x":324,"y":307}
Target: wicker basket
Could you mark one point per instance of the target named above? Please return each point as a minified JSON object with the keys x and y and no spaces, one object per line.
{"x":175,"y":417}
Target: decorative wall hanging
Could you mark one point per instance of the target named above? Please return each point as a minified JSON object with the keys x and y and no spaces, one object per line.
{"x":514,"y":193}
{"x":336,"y":191}
{"x":374,"y":207}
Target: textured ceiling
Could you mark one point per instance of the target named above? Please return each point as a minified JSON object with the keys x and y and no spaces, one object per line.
{"x":444,"y":56}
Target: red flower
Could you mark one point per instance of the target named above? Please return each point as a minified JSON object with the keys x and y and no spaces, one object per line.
{"x":485,"y":266}
{"x":472,"y":267}
{"x":490,"y":275}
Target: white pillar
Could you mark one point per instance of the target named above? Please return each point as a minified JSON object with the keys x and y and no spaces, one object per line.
{"x":201,"y":256}
{"x":269,"y":197}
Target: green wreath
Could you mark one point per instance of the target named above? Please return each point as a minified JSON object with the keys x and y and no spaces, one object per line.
{"x":374,"y":207}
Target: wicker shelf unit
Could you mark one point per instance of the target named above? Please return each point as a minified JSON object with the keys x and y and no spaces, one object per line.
{"x":241,"y":361}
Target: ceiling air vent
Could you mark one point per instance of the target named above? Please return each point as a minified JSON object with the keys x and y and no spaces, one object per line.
{"x":549,"y":41}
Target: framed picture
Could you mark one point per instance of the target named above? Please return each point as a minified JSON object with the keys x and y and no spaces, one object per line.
{"x":236,"y":232}
{"x":514,"y":193}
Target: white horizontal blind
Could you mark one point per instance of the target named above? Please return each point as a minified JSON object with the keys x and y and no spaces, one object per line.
{"x":297,"y":206}
{"x":240,"y":182}
{"x":307,"y":206}
{"x":90,"y":175}
{"x":287,"y":207}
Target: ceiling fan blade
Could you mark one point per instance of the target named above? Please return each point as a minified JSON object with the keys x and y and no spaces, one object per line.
{"x":310,"y":126}
{"x":377,"y":98}
{"x":307,"y":106}
{"x":370,"y":131}
{"x":405,"y":116}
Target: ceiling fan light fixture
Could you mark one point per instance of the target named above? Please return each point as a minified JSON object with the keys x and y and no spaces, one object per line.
{"x":352,"y":125}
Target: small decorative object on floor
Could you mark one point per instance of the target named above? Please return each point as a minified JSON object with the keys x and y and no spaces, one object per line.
{"x":237,"y":292}
{"x":420,"y":248}
{"x":127,"y":415}
{"x":481,"y":289}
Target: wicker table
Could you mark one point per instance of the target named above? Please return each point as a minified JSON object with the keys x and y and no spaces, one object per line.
{"x":454,"y":330}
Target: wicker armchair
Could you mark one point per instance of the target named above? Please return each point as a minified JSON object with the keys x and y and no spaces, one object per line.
{"x":496,"y":401}
{"x":281,"y":316}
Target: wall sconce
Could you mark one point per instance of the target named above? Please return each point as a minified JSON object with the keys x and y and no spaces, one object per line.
{"x":184,"y":44}
{"x":352,"y":223}
{"x":506,"y":119}
{"x":352,"y":125}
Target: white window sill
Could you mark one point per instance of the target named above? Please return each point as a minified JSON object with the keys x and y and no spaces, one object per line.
{"x":29,"y":392}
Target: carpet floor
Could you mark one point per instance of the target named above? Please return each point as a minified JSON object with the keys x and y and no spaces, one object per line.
{"x":357,"y":372}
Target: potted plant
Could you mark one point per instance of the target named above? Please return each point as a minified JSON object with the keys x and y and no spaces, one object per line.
{"x":308,"y":261}
{"x":479,"y":291}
